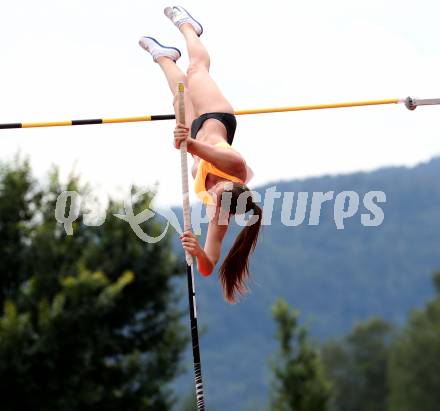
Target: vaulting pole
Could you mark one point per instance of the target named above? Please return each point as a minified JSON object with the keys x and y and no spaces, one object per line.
{"x":189,"y":259}
{"x":411,"y":103}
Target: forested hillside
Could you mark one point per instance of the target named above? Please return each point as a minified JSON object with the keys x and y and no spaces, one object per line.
{"x":93,"y":320}
{"x":335,"y":277}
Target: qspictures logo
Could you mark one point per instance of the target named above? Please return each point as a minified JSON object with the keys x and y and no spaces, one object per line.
{"x":297,"y":208}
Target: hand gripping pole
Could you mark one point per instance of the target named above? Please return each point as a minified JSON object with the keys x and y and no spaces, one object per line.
{"x":189,"y":259}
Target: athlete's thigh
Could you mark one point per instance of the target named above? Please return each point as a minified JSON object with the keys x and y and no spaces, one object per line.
{"x":204,"y":92}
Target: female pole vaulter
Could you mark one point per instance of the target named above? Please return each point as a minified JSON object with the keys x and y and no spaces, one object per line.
{"x":220,"y":172}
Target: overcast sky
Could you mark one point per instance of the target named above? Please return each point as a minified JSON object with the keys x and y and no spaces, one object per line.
{"x":73,"y":59}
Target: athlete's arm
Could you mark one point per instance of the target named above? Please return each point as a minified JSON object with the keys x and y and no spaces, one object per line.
{"x":195,"y":167}
{"x":224,"y":159}
{"x":213,"y":243}
{"x":208,"y":257}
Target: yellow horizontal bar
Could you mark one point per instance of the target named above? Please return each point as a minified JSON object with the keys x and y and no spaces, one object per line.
{"x":319,"y":106}
{"x":238,"y":112}
{"x":47,"y":124}
{"x":126,"y":119}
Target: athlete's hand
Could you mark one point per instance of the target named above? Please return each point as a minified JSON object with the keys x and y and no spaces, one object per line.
{"x":181,"y":134}
{"x":191,"y":244}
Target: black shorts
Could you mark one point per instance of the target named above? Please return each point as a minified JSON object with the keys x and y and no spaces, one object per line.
{"x":227,"y":119}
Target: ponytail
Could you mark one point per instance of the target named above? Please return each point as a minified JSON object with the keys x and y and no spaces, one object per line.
{"x":234,"y":272}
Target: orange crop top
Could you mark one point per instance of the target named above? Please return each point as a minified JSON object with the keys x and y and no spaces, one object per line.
{"x":204,"y":168}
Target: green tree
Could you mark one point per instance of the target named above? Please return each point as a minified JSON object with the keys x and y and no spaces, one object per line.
{"x":189,"y":402}
{"x":87,"y":321}
{"x":357,"y":367}
{"x":299,"y":383}
{"x":415,"y":360}
{"x":17,"y":199}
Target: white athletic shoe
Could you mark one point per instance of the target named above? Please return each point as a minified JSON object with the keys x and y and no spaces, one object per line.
{"x":158,"y":50}
{"x":178,"y":15}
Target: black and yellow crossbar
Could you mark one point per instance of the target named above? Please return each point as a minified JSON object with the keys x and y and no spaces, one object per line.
{"x":88,"y":121}
{"x":410,"y":102}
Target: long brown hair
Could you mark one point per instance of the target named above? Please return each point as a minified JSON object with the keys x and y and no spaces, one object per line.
{"x":234,"y":272}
